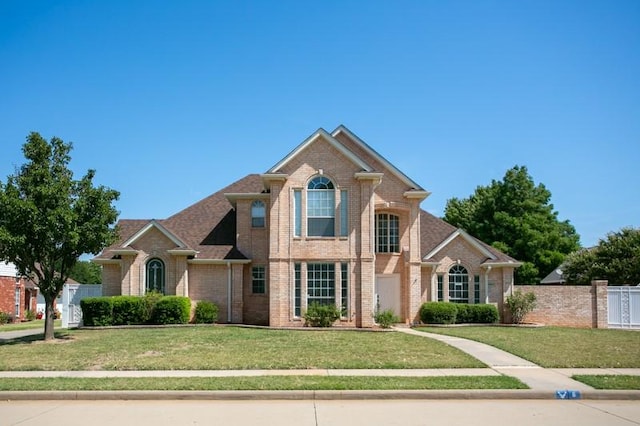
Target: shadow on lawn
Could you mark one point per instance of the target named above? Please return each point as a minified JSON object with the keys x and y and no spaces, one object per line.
{"x":60,"y":337}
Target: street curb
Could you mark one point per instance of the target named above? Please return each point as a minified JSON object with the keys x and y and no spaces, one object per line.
{"x":612,"y":395}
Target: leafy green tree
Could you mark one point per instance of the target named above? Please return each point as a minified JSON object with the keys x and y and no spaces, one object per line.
{"x":616,"y":259}
{"x":86,"y":272}
{"x":49,"y":219}
{"x":515,"y":216}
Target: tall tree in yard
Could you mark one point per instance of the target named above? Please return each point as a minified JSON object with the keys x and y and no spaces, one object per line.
{"x":48,"y":219}
{"x":515,"y":216}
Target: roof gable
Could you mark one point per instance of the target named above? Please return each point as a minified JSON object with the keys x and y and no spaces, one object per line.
{"x":153,"y":224}
{"x":459,"y":233}
{"x":373,"y":153}
{"x":321,"y":133}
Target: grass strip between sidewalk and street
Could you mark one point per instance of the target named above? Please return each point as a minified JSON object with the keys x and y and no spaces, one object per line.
{"x":557,"y":347}
{"x":261,"y":383}
{"x":610,"y":382}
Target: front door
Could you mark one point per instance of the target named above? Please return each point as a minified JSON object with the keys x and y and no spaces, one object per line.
{"x":388,"y":293}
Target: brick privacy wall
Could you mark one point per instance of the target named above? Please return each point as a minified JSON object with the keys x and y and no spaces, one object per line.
{"x":569,"y":305}
{"x":8,"y":295}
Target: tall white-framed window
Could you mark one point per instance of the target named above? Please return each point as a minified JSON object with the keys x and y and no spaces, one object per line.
{"x":321,"y":207}
{"x":387,"y":233}
{"x":297,"y":213}
{"x":458,"y":284}
{"x":155,"y":276}
{"x":321,"y":283}
{"x":17,"y":300}
{"x":344,"y":213}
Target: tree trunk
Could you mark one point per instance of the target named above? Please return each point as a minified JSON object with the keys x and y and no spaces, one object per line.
{"x":49,"y":316}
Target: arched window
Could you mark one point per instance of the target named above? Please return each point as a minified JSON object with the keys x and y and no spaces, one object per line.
{"x":387,"y":233}
{"x":155,"y":276}
{"x":258,"y":214}
{"x":321,"y":207}
{"x":458,"y":284}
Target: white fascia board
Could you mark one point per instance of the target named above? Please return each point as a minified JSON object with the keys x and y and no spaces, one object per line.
{"x":234,"y":197}
{"x":404,"y":178}
{"x":467,"y":237}
{"x":501,"y":264}
{"x":182,"y":252}
{"x":335,"y":143}
{"x":106,"y":261}
{"x":154,"y":224}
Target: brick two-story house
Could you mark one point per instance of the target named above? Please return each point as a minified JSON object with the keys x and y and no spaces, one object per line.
{"x":332,"y":222}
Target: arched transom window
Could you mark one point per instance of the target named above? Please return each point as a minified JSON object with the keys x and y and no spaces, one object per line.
{"x":458,"y":284}
{"x":321,"y":207}
{"x":155,"y":276}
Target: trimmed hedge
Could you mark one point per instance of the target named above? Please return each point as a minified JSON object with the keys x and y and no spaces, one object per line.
{"x":97,"y":311}
{"x":125,"y":310}
{"x":458,"y":313}
{"x":206,"y":313}
{"x":172,"y":310}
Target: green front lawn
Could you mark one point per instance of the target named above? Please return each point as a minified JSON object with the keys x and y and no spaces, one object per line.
{"x":228,"y":348}
{"x":556,"y":347}
{"x":610,"y":382}
{"x":28,"y":325}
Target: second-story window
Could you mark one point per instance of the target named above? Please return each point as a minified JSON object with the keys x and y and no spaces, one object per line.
{"x":321,"y":207}
{"x":387,"y":233}
{"x":258,"y":212}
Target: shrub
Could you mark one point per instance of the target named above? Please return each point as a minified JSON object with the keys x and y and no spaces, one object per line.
{"x":149,"y":302}
{"x":464,"y":314}
{"x":206,"y":312}
{"x":318,"y":315}
{"x":128,"y":310}
{"x":171,"y":310}
{"x":29,"y":315}
{"x":97,"y":311}
{"x":483,"y":314}
{"x":386,"y":318}
{"x":4,"y":318}
{"x":520,"y":304}
{"x":438,"y":313}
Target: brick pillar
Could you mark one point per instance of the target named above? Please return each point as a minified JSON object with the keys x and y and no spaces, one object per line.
{"x":600,"y":303}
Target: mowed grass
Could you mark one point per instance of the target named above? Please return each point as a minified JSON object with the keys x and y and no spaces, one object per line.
{"x":556,"y":347}
{"x":610,"y":382}
{"x":261,"y":383}
{"x":28,"y":325}
{"x":228,"y":348}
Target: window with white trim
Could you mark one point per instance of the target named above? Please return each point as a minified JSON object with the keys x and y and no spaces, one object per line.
{"x":458,"y":284}
{"x":387,"y":233}
{"x":258,"y":280}
{"x":321,"y":207}
{"x":258,"y":212}
{"x":321,"y":283}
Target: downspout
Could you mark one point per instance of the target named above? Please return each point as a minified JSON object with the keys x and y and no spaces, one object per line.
{"x":229,"y":292}
{"x":486,"y":284}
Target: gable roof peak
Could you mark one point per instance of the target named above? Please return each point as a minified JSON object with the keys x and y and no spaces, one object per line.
{"x":321,"y":133}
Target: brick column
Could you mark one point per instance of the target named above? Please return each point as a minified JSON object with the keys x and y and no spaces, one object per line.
{"x":600,"y":303}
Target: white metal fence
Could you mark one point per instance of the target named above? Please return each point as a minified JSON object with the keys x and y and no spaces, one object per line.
{"x":623,"y":306}
{"x":72,"y":294}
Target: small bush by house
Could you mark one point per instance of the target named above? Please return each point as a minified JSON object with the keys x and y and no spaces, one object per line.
{"x":206,"y":313}
{"x":438,"y":313}
{"x":128,"y":310}
{"x":386,"y":318}
{"x":172,"y":310}
{"x":318,"y":315}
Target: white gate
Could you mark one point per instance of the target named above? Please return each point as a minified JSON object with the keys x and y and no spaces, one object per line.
{"x":623,"y":307}
{"x":72,"y":294}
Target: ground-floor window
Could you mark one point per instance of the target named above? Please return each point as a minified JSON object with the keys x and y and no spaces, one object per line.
{"x":258,"y":280}
{"x":440,"y":291}
{"x":155,"y":276}
{"x":458,"y":284}
{"x":476,"y":289}
{"x":321,"y":283}
{"x":297,"y":285}
{"x":344,"y":293}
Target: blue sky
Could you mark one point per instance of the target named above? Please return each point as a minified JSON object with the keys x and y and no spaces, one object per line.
{"x":171,"y":101}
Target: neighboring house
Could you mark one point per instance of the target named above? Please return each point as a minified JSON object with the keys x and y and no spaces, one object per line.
{"x":333,"y":222}
{"x":17,"y":294}
{"x":554,"y":277}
